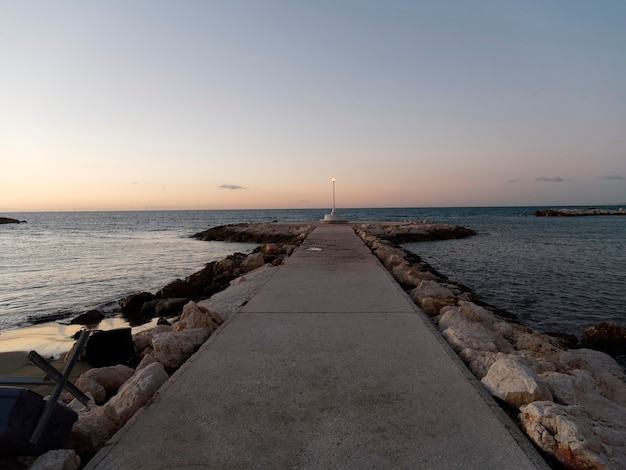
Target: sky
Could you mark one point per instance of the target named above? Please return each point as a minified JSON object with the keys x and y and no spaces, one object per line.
{"x":151,"y":104}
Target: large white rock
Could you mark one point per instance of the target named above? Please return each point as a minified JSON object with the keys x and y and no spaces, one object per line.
{"x":111,"y":378}
{"x":479,"y":362}
{"x":143,"y":339}
{"x":172,"y":349}
{"x":513,"y":382}
{"x":92,"y":430}
{"x":136,"y":392}
{"x":428,"y":288}
{"x":465,"y":331}
{"x":195,"y":316}
{"x":574,"y":437}
{"x":390,"y":256}
{"x":477,"y":313}
{"x":60,"y":459}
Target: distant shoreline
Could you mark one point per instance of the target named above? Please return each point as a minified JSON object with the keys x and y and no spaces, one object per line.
{"x":577,"y":212}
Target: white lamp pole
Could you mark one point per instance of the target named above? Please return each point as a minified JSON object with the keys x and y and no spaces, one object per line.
{"x":333,"y":180}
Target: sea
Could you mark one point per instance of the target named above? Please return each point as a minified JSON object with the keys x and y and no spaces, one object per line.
{"x":554,"y":273}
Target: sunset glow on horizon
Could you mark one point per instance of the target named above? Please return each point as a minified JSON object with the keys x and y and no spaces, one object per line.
{"x":254,"y":105}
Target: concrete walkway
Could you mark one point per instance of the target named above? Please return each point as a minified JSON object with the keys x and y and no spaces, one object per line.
{"x":329,"y":366}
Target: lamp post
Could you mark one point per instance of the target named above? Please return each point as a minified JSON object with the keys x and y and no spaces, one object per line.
{"x":333,"y":180}
{"x":333,"y":218}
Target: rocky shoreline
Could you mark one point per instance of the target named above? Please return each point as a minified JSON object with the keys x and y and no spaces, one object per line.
{"x":577,"y":212}
{"x":570,"y":402}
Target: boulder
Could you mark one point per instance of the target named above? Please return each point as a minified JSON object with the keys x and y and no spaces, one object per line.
{"x":515,"y":383}
{"x":479,"y":362}
{"x":575,"y":438}
{"x":252,"y":261}
{"x":147,"y":310}
{"x":271,"y":249}
{"x":195,"y":316}
{"x":607,"y":337}
{"x":97,"y":391}
{"x":172,"y":349}
{"x":60,"y":459}
{"x":136,"y":392}
{"x":143,"y":339}
{"x":111,"y":378}
{"x":477,"y":313}
{"x":91,"y":317}
{"x":476,"y":337}
{"x":133,"y":302}
{"x":390,"y":256}
{"x":169,"y":307}
{"x":431,"y":289}
{"x":432,"y":306}
{"x":177,"y":289}
{"x":146,"y":361}
{"x":92,"y":430}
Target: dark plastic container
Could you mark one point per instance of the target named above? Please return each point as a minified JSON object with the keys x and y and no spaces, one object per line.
{"x":20,"y":410}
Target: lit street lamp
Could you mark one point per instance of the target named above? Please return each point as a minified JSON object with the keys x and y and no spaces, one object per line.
{"x":333,"y":218}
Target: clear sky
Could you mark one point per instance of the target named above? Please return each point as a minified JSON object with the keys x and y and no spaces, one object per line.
{"x":154,"y":104}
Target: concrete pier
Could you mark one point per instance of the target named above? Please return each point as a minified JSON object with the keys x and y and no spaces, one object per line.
{"x":329,"y":366}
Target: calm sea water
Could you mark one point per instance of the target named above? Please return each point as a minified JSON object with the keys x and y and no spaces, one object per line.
{"x":554,"y":273}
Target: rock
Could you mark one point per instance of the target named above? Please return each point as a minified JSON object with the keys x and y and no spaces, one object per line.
{"x":8,"y":220}
{"x":169,"y":307}
{"x":289,"y":249}
{"x":133,"y":302}
{"x":409,"y":276}
{"x":143,"y":339}
{"x":252,"y":262}
{"x":61,"y":459}
{"x":431,"y":289}
{"x":477,"y":313}
{"x":97,"y":391}
{"x":514,"y":383}
{"x":432,"y":306}
{"x":146,"y":361}
{"x":136,"y":392}
{"x":479,"y":362}
{"x":538,"y":343}
{"x":390,"y":256}
{"x":147,"y":310}
{"x":92,"y":430}
{"x":163,"y":321}
{"x":607,"y":337}
{"x":91,"y":317}
{"x":566,"y":340}
{"x":575,"y":438}
{"x":195,"y":316}
{"x":174,"y":348}
{"x":271,"y":249}
{"x":111,"y":378}
{"x":177,"y":289}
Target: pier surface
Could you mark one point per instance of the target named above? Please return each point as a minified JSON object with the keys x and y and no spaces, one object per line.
{"x":330,"y":365}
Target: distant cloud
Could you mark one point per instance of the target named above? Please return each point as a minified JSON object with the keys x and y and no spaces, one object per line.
{"x":516,"y":180}
{"x":232,"y":187}
{"x":613,"y":177}
{"x":555,"y":179}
